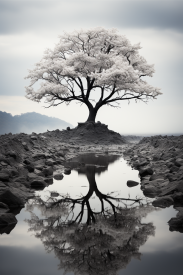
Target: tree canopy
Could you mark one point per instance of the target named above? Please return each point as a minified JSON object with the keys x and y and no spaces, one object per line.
{"x":88,"y":63}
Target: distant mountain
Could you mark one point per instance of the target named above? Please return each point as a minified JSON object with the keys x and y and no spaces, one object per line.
{"x":29,"y":122}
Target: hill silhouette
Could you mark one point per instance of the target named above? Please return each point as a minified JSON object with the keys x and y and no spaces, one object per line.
{"x":29,"y":122}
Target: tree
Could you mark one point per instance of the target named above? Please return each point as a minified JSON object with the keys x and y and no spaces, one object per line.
{"x":96,"y":67}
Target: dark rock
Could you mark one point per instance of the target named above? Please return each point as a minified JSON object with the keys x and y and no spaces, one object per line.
{"x":163,"y":202}
{"x":68,"y":128}
{"x":26,"y":161}
{"x":48,"y":171}
{"x":179,"y":162}
{"x":58,"y":176}
{"x":67,"y":171}
{"x":145,"y":172}
{"x":2,"y":185}
{"x":176,"y":224}
{"x":49,"y":180}
{"x":131,"y":183}
{"x":38,"y":156}
{"x":174,"y":169}
{"x":38,"y":184}
{"x":50,"y":162}
{"x":54,"y":194}
{"x":30,"y":168}
{"x":4,"y":177}
{"x":180,"y":186}
{"x":11,"y":199}
{"x":151,"y":192}
{"x":12,"y":154}
{"x":7,"y":223}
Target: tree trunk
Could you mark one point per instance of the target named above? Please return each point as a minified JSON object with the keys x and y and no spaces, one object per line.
{"x":92,"y":114}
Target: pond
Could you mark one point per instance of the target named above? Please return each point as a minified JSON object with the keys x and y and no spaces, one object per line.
{"x":91,"y":222}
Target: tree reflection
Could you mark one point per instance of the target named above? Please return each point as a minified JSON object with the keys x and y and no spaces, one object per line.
{"x":89,"y":241}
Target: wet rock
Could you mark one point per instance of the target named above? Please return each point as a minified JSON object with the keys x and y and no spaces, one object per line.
{"x":131,"y":183}
{"x":176,"y":224}
{"x":163,"y":202}
{"x":145,"y":172}
{"x":11,"y":199}
{"x":7,"y":222}
{"x":67,"y":171}
{"x":151,"y":191}
{"x":4,"y":177}
{"x":38,"y":184}
{"x":58,"y":176}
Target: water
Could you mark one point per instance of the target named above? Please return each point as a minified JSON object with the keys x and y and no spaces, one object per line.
{"x":126,"y":238}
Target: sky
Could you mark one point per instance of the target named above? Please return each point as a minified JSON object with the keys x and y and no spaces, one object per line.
{"x":28,"y":27}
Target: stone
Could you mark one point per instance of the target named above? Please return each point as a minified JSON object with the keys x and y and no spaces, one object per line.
{"x":151,"y":191}
{"x":131,"y":183}
{"x":38,"y":156}
{"x":4,"y":177}
{"x":67,"y":171}
{"x":68,"y":128}
{"x":54,"y":194}
{"x":11,"y":199}
{"x":58,"y":176}
{"x":174,"y":169}
{"x":48,"y":171}
{"x":7,"y":223}
{"x":30,"y":168}
{"x":49,"y":180}
{"x":179,"y":162}
{"x":145,"y":172}
{"x":176,"y":224}
{"x":33,"y":137}
{"x":2,"y":185}
{"x":180,"y":186}
{"x":12,"y":154}
{"x":38,"y":184}
{"x":163,"y":202}
{"x":156,"y":176}
{"x":50,"y":162}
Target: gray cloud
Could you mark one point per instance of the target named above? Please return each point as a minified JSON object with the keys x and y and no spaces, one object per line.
{"x":20,"y":16}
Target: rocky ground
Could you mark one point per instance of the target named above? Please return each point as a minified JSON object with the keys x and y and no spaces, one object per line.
{"x":30,"y":162}
{"x":159,"y":160}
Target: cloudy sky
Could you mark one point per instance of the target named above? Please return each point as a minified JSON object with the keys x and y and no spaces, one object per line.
{"x":28,"y":27}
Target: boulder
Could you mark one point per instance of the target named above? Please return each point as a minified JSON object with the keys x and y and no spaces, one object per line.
{"x":145,"y":172}
{"x":131,"y":183}
{"x":11,"y":199}
{"x":179,"y":162}
{"x":7,"y":222}
{"x":30,"y":168}
{"x":163,"y":202}
{"x":49,"y":180}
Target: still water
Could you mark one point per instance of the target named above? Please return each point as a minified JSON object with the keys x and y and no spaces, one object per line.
{"x":90,"y":223}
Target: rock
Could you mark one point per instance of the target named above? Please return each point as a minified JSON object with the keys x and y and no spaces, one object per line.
{"x":49,"y":180}
{"x":12,"y":154}
{"x":131,"y":183}
{"x":68,"y":128}
{"x":67,"y":171}
{"x":3,"y":208}
{"x":50,"y":162}
{"x":163,"y":202}
{"x":33,"y":137}
{"x":26,"y":161}
{"x":4,"y":177}
{"x":30,"y":168}
{"x":151,"y":192}
{"x":145,"y":172}
{"x":176,"y":224}
{"x":180,"y":186}
{"x":179,"y":162}
{"x":54,"y":194}
{"x":2,"y":185}
{"x":58,"y":176}
{"x":38,"y":184}
{"x":156,"y":176}
{"x":11,"y":199}
{"x":48,"y":171}
{"x":38,"y":156}
{"x":7,"y":223}
{"x":174,"y":169}
{"x":39,"y":173}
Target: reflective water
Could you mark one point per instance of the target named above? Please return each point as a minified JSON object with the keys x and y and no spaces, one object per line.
{"x":87,"y":230}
